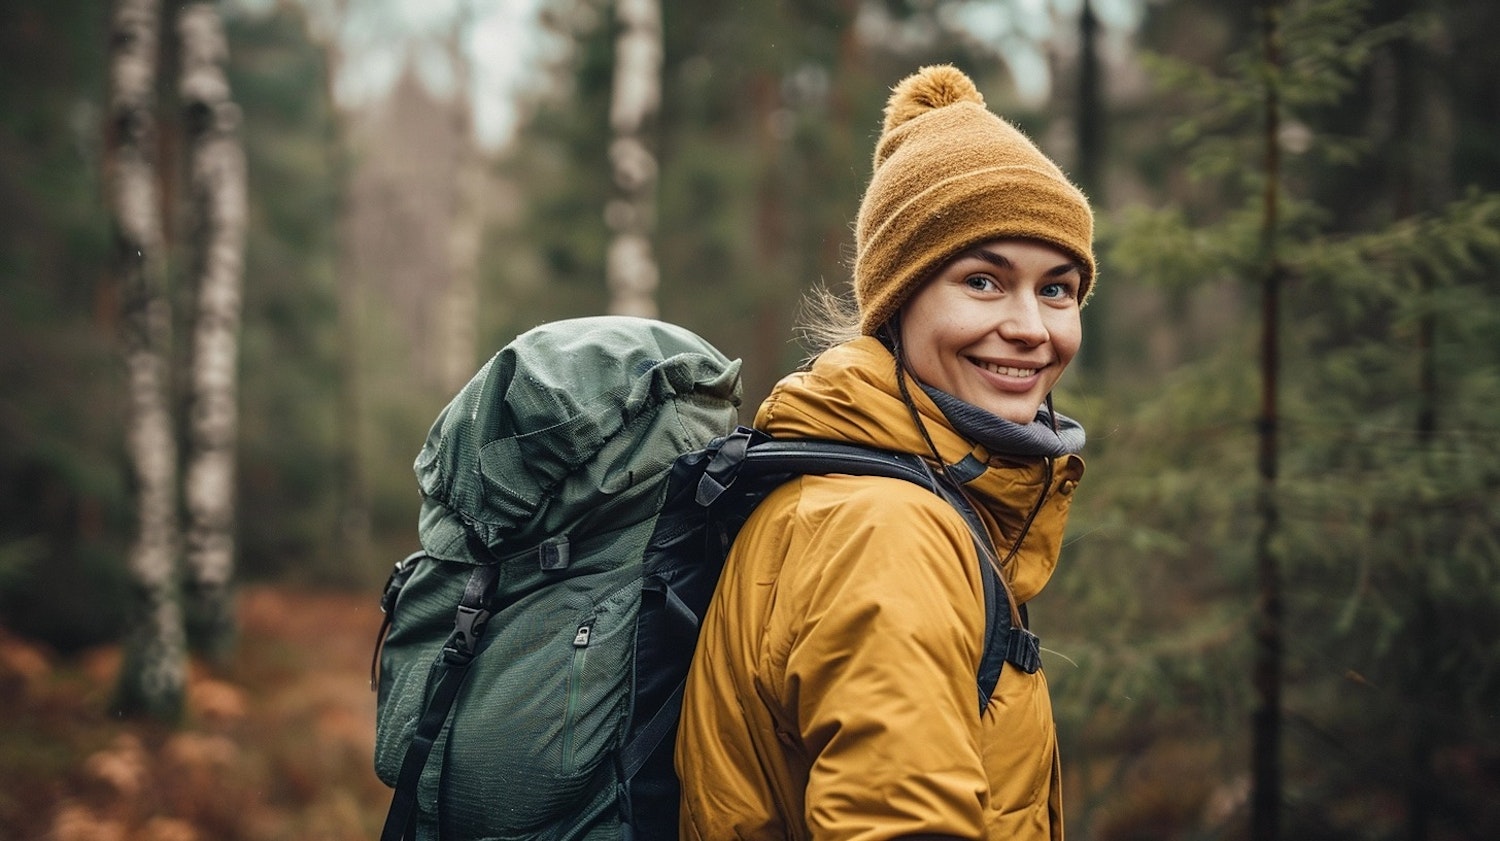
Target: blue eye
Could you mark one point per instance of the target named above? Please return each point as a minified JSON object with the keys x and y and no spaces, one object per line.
{"x":979,"y":281}
{"x":1056,"y":290}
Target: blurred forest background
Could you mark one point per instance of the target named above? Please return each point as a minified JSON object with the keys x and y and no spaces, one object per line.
{"x":1278,"y":611}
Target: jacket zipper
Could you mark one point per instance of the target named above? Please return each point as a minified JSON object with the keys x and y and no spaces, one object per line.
{"x":575,"y":678}
{"x":1016,"y":617}
{"x":1036,"y":509}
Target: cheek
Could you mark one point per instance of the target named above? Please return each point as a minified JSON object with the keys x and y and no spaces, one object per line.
{"x":1066,"y":335}
{"x":945,"y":341}
{"x":925,"y":332}
{"x":922,"y":357}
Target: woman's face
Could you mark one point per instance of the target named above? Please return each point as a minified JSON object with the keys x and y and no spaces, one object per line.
{"x":996,"y":326}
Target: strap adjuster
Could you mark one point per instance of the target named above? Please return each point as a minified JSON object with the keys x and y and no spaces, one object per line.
{"x":1023,"y":649}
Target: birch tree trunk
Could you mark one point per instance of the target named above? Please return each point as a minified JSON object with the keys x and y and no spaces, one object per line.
{"x":154,"y":669}
{"x":630,"y":215}
{"x":217,"y":182}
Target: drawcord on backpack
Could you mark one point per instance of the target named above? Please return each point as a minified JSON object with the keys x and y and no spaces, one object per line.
{"x":397,"y":580}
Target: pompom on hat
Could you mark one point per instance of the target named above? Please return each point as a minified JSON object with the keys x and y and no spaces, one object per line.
{"x":949,"y":175}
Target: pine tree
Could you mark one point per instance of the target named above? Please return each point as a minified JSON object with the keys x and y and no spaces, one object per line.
{"x":1365,"y":481}
{"x":66,"y":512}
{"x":353,"y":518}
{"x":290,"y":437}
{"x":1267,"y":669}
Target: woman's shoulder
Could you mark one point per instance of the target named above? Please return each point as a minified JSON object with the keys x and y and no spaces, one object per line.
{"x":895,"y":510}
{"x":849,"y":542}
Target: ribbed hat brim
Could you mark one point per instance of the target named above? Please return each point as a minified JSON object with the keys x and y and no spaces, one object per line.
{"x":949,"y":175}
{"x":921,"y":233}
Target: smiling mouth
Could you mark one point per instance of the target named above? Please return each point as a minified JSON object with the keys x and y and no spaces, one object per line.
{"x":1005,"y":370}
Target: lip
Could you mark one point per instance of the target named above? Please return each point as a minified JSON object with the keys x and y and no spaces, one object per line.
{"x":1013,"y":375}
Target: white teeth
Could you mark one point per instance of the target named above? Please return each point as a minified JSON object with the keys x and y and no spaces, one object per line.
{"x":1008,"y":372}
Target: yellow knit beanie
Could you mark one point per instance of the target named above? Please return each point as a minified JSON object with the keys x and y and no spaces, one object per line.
{"x":949,"y":175}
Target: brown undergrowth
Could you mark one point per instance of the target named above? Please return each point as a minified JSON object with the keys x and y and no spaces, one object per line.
{"x":275,"y":746}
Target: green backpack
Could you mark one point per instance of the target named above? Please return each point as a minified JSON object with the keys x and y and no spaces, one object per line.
{"x":579,"y":497}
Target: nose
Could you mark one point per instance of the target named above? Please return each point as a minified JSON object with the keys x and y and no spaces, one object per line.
{"x":1022,"y":322}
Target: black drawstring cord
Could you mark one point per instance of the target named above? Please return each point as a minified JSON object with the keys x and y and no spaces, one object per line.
{"x":982,"y":541}
{"x":892,"y":330}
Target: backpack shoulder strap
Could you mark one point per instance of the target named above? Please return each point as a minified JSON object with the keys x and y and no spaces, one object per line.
{"x":443,"y":682}
{"x":753,"y":455}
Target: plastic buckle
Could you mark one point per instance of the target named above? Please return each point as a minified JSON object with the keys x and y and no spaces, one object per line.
{"x":468,"y":627}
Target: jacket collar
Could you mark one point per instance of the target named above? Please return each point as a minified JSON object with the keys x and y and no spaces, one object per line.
{"x":850,"y":394}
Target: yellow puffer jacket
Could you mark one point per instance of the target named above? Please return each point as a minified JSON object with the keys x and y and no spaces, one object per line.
{"x":832,"y":693}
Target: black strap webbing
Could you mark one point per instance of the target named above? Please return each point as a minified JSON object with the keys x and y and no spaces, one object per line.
{"x":634,"y":754}
{"x":448,"y":672}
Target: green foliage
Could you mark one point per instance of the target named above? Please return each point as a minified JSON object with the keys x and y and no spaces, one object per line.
{"x":1389,"y":481}
{"x":289,"y":344}
{"x":1392,"y":500}
{"x":1327,"y":47}
{"x":60,"y":463}
{"x":1164,"y":248}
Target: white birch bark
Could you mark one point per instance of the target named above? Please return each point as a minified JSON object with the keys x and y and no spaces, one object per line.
{"x":630,"y":263}
{"x":154,"y":669}
{"x":217,"y":183}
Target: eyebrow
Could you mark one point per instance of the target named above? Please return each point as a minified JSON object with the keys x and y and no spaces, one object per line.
{"x":1001,"y":261}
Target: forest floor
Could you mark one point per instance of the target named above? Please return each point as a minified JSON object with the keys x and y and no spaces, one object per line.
{"x":273,"y":747}
{"x":277,"y":746}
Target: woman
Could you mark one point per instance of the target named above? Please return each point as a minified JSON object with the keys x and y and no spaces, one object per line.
{"x":832,"y":692}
